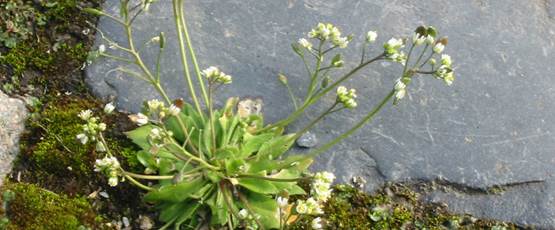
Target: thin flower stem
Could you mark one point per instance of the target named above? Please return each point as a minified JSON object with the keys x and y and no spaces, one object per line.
{"x":117,"y":58}
{"x":271,"y":178}
{"x":147,"y":177}
{"x":422,"y":54}
{"x":408,"y":58}
{"x":292,"y":96}
{"x":312,"y":123}
{"x":357,"y":126}
{"x":138,"y":184}
{"x":201,"y":161}
{"x":293,"y":116}
{"x":212,"y":118}
{"x":177,"y":17}
{"x":192,"y":52}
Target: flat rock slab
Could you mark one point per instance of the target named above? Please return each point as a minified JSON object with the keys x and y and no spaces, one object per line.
{"x":493,"y":127}
{"x":13,"y":114}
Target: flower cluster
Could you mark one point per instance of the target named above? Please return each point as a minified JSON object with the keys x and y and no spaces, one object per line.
{"x":400,"y":90}
{"x":329,"y":32}
{"x":320,"y":191}
{"x":371,"y":36}
{"x":154,"y":110}
{"x":392,"y":50}
{"x":110,"y":166}
{"x":320,"y":188}
{"x":444,"y":71}
{"x":419,"y":39}
{"x":215,"y":75}
{"x":92,"y":128}
{"x":346,"y":97}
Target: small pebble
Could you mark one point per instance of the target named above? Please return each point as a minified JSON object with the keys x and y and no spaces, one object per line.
{"x":145,"y":223}
{"x":125,"y":221}
{"x":104,"y":194}
{"x":307,"y":140}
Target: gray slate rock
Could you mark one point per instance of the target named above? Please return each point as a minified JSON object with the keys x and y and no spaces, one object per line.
{"x":494,"y":126}
{"x":13,"y":114}
{"x":307,"y":140}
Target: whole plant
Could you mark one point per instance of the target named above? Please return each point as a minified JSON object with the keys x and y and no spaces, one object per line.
{"x":224,"y":167}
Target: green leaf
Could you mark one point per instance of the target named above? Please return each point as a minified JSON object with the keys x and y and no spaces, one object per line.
{"x":170,"y":211}
{"x":258,"y":185}
{"x":226,"y":152}
{"x":139,"y":136}
{"x":187,"y":213}
{"x":276,"y":147}
{"x":218,"y":208}
{"x":146,"y":159}
{"x":93,"y":11}
{"x":252,"y":144}
{"x":266,"y":207}
{"x":176,"y":193}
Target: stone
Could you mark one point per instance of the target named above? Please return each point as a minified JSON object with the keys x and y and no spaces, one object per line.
{"x":13,"y":115}
{"x":307,"y":140}
{"x":493,"y":127}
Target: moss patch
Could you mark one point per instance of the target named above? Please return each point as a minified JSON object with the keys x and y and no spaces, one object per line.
{"x":394,"y":207}
{"x":35,"y":208}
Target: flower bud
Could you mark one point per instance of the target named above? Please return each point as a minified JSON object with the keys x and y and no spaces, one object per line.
{"x":438,"y":48}
{"x":282,"y":78}
{"x":109,"y":108}
{"x":371,"y":36}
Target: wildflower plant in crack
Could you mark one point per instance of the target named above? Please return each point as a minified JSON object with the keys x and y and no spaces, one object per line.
{"x":226,"y":168}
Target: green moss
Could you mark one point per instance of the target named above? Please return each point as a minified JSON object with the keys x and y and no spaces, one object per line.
{"x":56,"y":157}
{"x":37,"y":208}
{"x":394,"y":207}
{"x":57,"y":152}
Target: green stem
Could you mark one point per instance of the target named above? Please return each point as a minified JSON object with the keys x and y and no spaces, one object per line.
{"x":293,"y":116}
{"x":147,"y":177}
{"x":313,"y":122}
{"x":202,"y":162}
{"x":271,"y":178}
{"x":177,"y":16}
{"x":192,"y":53}
{"x":139,"y":184}
{"x":360,"y":124}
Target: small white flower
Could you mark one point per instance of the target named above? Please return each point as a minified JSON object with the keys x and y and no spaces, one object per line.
{"x":102,"y":48}
{"x":282,"y":202}
{"x":430,"y":40}
{"x":113,"y":181}
{"x":154,"y":104}
{"x":399,"y":94}
{"x":139,"y":119}
{"x":418,"y":39}
{"x":109,"y":108}
{"x":243,"y":214}
{"x":155,"y":134}
{"x":371,"y":36}
{"x":342,"y":42}
{"x":326,"y":177}
{"x":449,"y":78}
{"x":438,"y":48}
{"x":305,"y":43}
{"x":346,"y":97}
{"x":215,"y":75}
{"x":446,"y":60}
{"x":85,"y":114}
{"x":102,"y":126}
{"x":399,"y":85}
{"x":393,"y":45}
{"x":317,"y":223}
{"x":100,"y":147}
{"x":83,"y":138}
{"x":301,"y":208}
{"x":313,"y":206}
{"x":174,"y":110}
